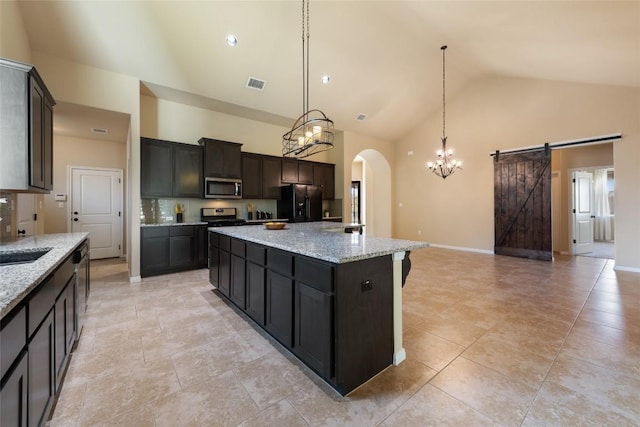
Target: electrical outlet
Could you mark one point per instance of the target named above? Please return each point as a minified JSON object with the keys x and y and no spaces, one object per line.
{"x":419,"y":232}
{"x":8,"y":229}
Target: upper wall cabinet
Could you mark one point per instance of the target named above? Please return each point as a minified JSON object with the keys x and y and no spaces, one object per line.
{"x":260,"y":176}
{"x":324,"y":176}
{"x":296,"y":171}
{"x":26,"y":129}
{"x":170,"y":169}
{"x":222,"y":159}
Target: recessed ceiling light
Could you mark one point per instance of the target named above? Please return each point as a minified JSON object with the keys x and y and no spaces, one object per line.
{"x":231,"y":40}
{"x":326,"y":79}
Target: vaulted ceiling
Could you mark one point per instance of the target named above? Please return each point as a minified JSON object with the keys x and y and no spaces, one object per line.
{"x":383,"y":57}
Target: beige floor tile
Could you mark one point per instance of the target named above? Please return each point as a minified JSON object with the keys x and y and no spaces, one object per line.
{"x":220,"y":401}
{"x":272,"y":378}
{"x":433,"y":351}
{"x":280,"y":414}
{"x":556,"y":405}
{"x":516,"y":361}
{"x":432,"y":407}
{"x":617,"y":390}
{"x":495,"y":395}
{"x":110,"y":396}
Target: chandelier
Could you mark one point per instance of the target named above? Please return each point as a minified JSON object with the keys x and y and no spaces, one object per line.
{"x":313,"y":130}
{"x":445,"y":164}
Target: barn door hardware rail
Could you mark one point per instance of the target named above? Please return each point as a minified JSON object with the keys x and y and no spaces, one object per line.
{"x":561,"y":144}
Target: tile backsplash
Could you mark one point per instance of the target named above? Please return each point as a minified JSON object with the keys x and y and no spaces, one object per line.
{"x":162,"y":211}
{"x":7,"y":216}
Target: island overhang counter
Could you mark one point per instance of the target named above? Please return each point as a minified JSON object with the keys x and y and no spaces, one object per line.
{"x":333,"y":299}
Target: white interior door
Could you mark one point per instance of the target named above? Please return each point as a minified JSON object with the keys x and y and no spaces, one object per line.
{"x":582,"y":212}
{"x":96,"y":208}
{"x":26,"y":215}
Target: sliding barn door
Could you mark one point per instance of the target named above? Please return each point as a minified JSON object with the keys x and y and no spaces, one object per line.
{"x":522,"y":191}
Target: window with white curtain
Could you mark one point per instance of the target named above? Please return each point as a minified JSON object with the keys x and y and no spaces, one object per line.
{"x":603,"y":198}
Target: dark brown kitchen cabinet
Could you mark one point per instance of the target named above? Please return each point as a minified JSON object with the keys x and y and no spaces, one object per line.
{"x":36,"y":340}
{"x":261,"y":176}
{"x":324,"y":176}
{"x":313,"y":326}
{"x":271,"y":173}
{"x":222,"y":159}
{"x":224,"y":265}
{"x":169,"y":249}
{"x":64,"y":333}
{"x":255,"y":290}
{"x":188,"y":180}
{"x":14,"y":397}
{"x":251,"y":176}
{"x":170,"y":169}
{"x":279,"y":307}
{"x":41,"y":371}
{"x":26,"y":129}
{"x":154,"y":250}
{"x":297,"y":171}
{"x":237,"y":279}
{"x":214,"y":259}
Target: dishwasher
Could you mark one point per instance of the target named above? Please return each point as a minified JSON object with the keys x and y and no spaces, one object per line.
{"x":82,"y":286}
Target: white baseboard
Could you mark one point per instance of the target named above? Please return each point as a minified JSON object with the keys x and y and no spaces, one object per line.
{"x":460,"y":248}
{"x":623,"y":268}
{"x":135,"y":279}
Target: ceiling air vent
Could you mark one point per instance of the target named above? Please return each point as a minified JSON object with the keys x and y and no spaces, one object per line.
{"x":361,"y":117}
{"x":100,"y":131}
{"x":256,"y":84}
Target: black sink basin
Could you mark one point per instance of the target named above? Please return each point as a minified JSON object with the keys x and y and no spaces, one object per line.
{"x":19,"y":257}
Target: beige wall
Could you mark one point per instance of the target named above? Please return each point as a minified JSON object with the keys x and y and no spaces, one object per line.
{"x":379,"y":160}
{"x":14,"y":43}
{"x":79,"y":84}
{"x":502,"y":113}
{"x":70,"y":151}
{"x":563,"y":161}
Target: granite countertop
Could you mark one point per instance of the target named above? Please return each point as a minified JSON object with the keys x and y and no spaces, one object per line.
{"x":167,"y":224}
{"x":322,"y":240}
{"x":17,"y":280}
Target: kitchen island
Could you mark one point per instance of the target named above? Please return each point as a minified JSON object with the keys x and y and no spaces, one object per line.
{"x":333,"y":299}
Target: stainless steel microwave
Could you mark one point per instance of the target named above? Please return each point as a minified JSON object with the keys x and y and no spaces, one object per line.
{"x":222,"y":188}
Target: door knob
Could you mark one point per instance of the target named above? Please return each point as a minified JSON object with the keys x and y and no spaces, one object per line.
{"x":75,"y":219}
{"x":22,"y":232}
{"x":75,"y":213}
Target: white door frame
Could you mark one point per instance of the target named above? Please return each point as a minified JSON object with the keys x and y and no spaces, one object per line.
{"x":70,"y":197}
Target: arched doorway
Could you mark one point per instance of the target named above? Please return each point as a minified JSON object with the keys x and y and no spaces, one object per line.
{"x":372,"y":170}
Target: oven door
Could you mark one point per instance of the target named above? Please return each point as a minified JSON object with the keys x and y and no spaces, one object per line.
{"x":222,"y":188}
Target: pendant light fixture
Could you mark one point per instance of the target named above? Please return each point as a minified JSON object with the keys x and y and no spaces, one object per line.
{"x":313,"y":131}
{"x":445,"y":164}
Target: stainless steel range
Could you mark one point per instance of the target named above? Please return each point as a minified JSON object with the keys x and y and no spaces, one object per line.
{"x":220,"y":217}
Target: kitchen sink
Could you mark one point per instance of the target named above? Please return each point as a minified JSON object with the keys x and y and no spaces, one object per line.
{"x":24,"y":256}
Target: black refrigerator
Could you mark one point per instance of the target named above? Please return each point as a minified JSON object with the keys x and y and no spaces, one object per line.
{"x":300,"y":203}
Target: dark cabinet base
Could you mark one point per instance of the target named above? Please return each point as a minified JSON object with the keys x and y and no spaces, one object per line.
{"x":170,"y":249}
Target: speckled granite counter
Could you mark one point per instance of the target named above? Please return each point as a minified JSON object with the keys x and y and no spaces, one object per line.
{"x":167,"y":224}
{"x":17,"y":280}
{"x":322,"y":240}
